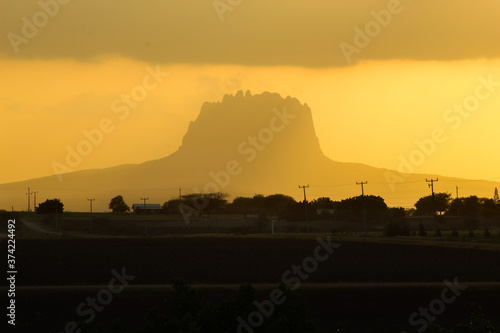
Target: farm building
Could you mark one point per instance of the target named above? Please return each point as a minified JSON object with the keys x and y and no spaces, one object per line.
{"x":147,"y":208}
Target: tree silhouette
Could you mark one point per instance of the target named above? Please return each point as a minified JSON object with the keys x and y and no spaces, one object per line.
{"x":202,"y":203}
{"x":474,"y":207}
{"x":118,"y":205}
{"x":323,"y":203}
{"x":488,"y":207}
{"x":274,"y":204}
{"x":50,"y":207}
{"x":456,"y":207}
{"x":242,"y":205}
{"x":471,"y":206}
{"x":215,"y":201}
{"x":441,"y":203}
{"x":172,"y":206}
{"x":352,"y":208}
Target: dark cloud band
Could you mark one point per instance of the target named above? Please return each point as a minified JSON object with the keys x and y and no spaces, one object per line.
{"x":292,"y":32}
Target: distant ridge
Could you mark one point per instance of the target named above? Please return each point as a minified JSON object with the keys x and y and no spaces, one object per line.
{"x":242,"y":145}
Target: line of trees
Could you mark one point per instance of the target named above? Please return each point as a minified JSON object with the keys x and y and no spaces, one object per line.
{"x":471,"y":206}
{"x":198,"y":203}
{"x":350,"y":209}
{"x":287,"y":208}
{"x":284,"y":207}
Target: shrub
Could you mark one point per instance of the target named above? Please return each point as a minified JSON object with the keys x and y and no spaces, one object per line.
{"x":476,"y":323}
{"x":396,"y":228}
{"x":471,"y":223}
{"x":421,"y":230}
{"x":440,"y":219}
{"x":261,"y":224}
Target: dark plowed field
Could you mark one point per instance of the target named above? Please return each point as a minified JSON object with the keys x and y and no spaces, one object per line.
{"x":257,"y":260}
{"x":238,"y":260}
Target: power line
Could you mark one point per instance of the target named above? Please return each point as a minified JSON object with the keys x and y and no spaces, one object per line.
{"x":362,"y":188}
{"x":431,"y":185}
{"x":364,"y":204}
{"x":91,"y":204}
{"x":145,"y":219}
{"x":91,"y":213}
{"x":34,"y":202}
{"x":337,"y":185}
{"x":29,"y":196}
{"x":305,"y":205}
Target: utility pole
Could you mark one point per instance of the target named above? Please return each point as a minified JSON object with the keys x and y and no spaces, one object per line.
{"x":57,"y":222}
{"x":34,"y":203}
{"x":29,"y":196}
{"x":216,"y":220}
{"x":431,"y":185}
{"x":305,"y":205}
{"x":364,"y":205}
{"x":145,"y":219}
{"x":457,"y":192}
{"x":91,"y":213}
{"x":180,"y":193}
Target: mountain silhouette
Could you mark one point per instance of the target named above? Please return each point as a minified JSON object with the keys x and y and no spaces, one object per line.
{"x":242,"y":145}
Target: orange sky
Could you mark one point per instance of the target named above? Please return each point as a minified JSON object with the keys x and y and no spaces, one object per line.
{"x":371,"y":110}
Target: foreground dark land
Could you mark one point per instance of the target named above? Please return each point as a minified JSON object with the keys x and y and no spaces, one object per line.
{"x":85,"y":266}
{"x":332,"y":309}
{"x":235,"y":260}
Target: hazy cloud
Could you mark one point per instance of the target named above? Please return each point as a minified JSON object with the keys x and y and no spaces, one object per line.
{"x":258,"y":32}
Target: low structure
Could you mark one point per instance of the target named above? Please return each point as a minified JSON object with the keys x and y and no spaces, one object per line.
{"x":147,"y":208}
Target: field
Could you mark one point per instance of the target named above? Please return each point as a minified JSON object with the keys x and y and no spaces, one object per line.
{"x":366,"y":285}
{"x":132,"y":225}
{"x":235,"y":260}
{"x":85,"y":264}
{"x":357,"y":310}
